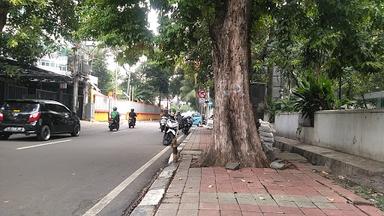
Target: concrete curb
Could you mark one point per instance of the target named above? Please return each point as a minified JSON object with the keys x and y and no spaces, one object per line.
{"x":153,"y":197}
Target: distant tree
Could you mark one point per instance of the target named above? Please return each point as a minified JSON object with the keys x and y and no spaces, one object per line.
{"x":99,"y":69}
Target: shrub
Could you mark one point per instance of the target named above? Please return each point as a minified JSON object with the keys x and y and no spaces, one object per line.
{"x":314,"y":94}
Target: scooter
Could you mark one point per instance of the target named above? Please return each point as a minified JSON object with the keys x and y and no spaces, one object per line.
{"x":114,"y":124}
{"x":163,"y":122}
{"x":131,"y":123}
{"x":170,"y":131}
{"x":186,"y":124}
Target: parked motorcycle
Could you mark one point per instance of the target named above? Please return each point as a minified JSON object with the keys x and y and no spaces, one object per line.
{"x":171,"y":128}
{"x":131,"y":123}
{"x":186,"y":124}
{"x":114,"y":124}
{"x":163,"y":123}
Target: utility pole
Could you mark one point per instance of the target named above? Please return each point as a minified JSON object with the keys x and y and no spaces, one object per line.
{"x":75,"y":80}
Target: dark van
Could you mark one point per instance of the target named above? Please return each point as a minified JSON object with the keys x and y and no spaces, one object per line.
{"x":40,"y":117}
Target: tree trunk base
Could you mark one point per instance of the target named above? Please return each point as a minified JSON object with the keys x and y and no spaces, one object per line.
{"x":213,"y":157}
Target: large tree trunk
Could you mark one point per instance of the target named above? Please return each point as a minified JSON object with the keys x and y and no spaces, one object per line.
{"x":235,"y":134}
{"x":4,"y":8}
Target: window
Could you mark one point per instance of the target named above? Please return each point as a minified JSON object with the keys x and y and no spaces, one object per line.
{"x":63,"y":68}
{"x":23,"y":107}
{"x":62,"y":109}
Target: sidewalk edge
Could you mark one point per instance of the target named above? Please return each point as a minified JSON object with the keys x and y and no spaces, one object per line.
{"x":154,"y":195}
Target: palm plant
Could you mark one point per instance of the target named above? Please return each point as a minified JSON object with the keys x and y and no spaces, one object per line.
{"x":314,"y":94}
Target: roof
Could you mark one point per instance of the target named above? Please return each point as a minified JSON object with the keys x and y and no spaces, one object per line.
{"x":34,"y":101}
{"x":31,"y":73}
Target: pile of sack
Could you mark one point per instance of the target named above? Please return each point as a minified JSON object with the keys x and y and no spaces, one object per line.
{"x":266,"y":135}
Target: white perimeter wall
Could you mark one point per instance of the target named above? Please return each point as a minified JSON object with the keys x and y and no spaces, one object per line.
{"x":286,"y":124}
{"x":358,"y":132}
{"x":105,"y":104}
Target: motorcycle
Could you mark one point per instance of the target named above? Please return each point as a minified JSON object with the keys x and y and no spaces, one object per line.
{"x":163,"y":122}
{"x":113,"y":124}
{"x":171,"y":128}
{"x":131,"y":123}
{"x":186,"y":124}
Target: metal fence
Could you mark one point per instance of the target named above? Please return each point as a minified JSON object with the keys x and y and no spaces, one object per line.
{"x":46,"y":95}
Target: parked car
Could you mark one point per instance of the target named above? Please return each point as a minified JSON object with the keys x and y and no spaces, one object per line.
{"x":40,"y":117}
{"x":197,"y":119}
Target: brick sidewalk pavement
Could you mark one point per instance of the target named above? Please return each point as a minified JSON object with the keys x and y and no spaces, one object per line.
{"x":255,"y":191}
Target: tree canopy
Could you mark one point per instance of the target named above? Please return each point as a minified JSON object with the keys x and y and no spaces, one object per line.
{"x":118,"y":24}
{"x":30,"y":29}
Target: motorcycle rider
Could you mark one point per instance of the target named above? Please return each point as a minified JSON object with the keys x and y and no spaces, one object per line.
{"x":133,"y":115}
{"x":115,"y":115}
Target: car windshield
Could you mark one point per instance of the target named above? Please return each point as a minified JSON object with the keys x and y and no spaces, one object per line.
{"x":20,"y":107}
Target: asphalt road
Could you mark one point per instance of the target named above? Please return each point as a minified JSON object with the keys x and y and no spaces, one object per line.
{"x":68,"y":176}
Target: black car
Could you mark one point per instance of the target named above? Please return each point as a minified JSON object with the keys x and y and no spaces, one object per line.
{"x":40,"y":117}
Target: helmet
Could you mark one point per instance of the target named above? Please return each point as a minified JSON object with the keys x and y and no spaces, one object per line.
{"x":132,"y":110}
{"x":114,"y":108}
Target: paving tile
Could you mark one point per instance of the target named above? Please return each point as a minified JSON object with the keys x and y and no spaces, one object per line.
{"x":245,"y":198}
{"x":171,"y":200}
{"x":230,"y":207}
{"x":187,"y":212}
{"x":323,"y":205}
{"x":372,"y":211}
{"x":169,"y":206}
{"x":226,"y":198}
{"x":205,"y":212}
{"x":286,"y":204}
{"x":249,"y":208}
{"x":333,"y":212}
{"x":272,"y":214}
{"x":291,"y":210}
{"x":313,"y":212}
{"x":209,"y":197}
{"x":209,"y":206}
{"x":230,"y":213}
{"x":316,"y":199}
{"x":305,"y":204}
{"x":189,"y":206}
{"x":246,"y":213}
{"x":166,"y":212}
{"x":271,"y":209}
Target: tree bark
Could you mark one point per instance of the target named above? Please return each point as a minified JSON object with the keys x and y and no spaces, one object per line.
{"x":4,"y":9}
{"x":235,"y":134}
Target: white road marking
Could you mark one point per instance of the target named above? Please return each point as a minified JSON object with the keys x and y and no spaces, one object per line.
{"x":44,"y":144}
{"x":98,"y":207}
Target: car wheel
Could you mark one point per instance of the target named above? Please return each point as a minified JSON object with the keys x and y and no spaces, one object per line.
{"x":76,"y":131}
{"x":4,"y":136}
{"x":44,"y":134}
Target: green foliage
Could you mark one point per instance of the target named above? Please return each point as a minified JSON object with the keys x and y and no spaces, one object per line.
{"x":99,"y":69}
{"x":118,"y":24}
{"x":34,"y":28}
{"x":181,"y":108}
{"x":314,"y":93}
{"x":280,"y":105}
